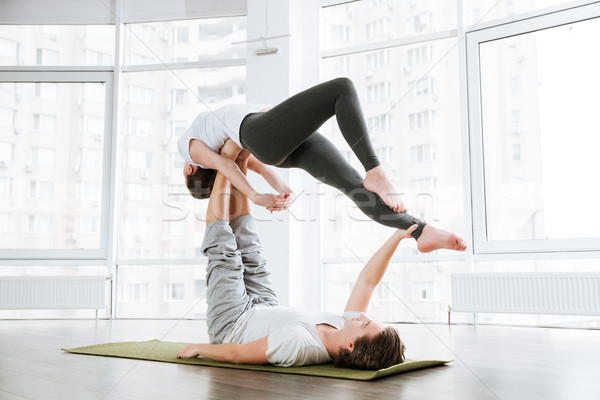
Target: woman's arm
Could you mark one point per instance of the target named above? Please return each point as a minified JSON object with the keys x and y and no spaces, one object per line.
{"x":374,"y":270}
{"x":270,"y":175}
{"x":202,"y":154}
{"x":247,"y":353}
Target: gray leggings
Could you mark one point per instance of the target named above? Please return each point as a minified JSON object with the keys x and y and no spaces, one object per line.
{"x":286,"y":137}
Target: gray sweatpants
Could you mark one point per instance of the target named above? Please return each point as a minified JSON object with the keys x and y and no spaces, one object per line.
{"x":236,"y":275}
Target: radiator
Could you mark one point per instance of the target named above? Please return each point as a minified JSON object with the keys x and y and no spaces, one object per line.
{"x":567,"y":293}
{"x":51,"y":292}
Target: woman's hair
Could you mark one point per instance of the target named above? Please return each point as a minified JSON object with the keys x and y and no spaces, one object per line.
{"x":382,"y":351}
{"x":200,"y":183}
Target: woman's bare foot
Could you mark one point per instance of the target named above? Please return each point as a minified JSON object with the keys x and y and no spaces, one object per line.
{"x":377,"y":181}
{"x":433,"y":238}
{"x":230,"y":149}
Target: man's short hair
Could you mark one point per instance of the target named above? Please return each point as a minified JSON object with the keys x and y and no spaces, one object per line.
{"x":382,"y":351}
{"x":201,"y":182}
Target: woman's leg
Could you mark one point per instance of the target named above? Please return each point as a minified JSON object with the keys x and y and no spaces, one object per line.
{"x":273,"y":135}
{"x":335,"y":171}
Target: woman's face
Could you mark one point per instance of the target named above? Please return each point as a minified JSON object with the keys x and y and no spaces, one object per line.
{"x":189,"y":169}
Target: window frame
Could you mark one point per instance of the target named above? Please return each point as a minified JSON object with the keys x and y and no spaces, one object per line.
{"x":72,"y":75}
{"x":535,"y":23}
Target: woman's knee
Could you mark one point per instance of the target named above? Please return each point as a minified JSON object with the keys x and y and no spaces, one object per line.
{"x":345,"y":84}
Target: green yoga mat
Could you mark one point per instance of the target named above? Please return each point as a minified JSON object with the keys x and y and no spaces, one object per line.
{"x":155,"y":350}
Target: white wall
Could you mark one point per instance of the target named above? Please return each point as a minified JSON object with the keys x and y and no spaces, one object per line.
{"x":291,"y":239}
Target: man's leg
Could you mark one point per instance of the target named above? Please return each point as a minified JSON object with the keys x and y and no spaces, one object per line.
{"x":256,"y":276}
{"x":226,"y":294}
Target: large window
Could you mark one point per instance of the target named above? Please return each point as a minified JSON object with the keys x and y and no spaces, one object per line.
{"x":408,"y":94}
{"x":416,"y":135}
{"x":42,"y":152}
{"x":526,"y":171}
{"x":360,"y":22}
{"x":51,"y":45}
{"x":161,"y":291}
{"x":185,"y":41}
{"x":71,"y":160}
{"x":153,"y":168}
{"x":535,"y":116}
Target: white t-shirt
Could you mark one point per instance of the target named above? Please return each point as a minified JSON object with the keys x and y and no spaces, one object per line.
{"x":293,"y":338}
{"x":215,"y":127}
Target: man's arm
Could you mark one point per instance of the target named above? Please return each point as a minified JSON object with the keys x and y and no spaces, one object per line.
{"x":374,"y":270}
{"x":269,"y":174}
{"x":247,"y":353}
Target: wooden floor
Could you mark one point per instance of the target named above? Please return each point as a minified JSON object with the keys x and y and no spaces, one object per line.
{"x":490,"y":363}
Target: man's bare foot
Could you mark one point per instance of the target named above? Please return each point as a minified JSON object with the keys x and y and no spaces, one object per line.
{"x":230,"y":149}
{"x":433,"y":238}
{"x":377,"y":181}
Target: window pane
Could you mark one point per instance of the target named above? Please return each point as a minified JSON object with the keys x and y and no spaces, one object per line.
{"x":411,"y":291}
{"x":478,"y":11}
{"x":50,"y":167}
{"x":161,"y":291}
{"x":374,"y":20}
{"x":157,"y":209}
{"x":185,"y":41}
{"x":415,"y":133}
{"x":535,"y":180}
{"x":57,"y":44}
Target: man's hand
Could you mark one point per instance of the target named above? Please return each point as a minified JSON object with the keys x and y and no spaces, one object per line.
{"x":189,"y":351}
{"x":405,"y":234}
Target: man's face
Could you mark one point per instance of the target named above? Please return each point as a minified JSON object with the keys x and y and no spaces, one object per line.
{"x":359,"y":327}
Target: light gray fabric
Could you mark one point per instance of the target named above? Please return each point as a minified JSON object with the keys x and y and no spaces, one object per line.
{"x":293,"y":338}
{"x":234,"y":261}
{"x":215,"y":127}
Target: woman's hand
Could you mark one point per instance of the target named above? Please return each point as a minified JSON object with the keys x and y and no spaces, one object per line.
{"x":189,"y":351}
{"x":272,"y":202}
{"x":287,"y":191}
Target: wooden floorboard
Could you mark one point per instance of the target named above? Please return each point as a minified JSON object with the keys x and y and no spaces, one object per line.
{"x":491,"y":362}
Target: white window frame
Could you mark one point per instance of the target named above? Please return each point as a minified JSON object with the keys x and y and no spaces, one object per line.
{"x":71,"y":75}
{"x":537,"y":22}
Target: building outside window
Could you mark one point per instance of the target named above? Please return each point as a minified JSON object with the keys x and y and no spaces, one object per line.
{"x":41,"y":190}
{"x":42,"y":156}
{"x":39,"y":224}
{"x":44,"y":123}
{"x":138,"y":159}
{"x":46,"y":57}
{"x":174,"y":291}
{"x":423,"y":153}
{"x":46,"y":90}
{"x":91,"y":157}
